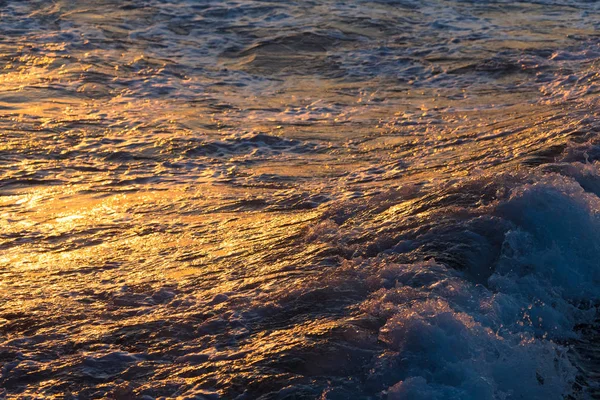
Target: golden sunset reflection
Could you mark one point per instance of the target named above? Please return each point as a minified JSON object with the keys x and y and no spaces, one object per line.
{"x":299,"y":200}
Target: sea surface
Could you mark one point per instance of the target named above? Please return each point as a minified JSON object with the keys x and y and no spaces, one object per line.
{"x":317,"y":199}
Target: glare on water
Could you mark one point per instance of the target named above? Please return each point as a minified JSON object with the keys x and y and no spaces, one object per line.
{"x":325,"y":199}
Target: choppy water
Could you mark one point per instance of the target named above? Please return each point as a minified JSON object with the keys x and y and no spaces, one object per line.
{"x":304,"y":199}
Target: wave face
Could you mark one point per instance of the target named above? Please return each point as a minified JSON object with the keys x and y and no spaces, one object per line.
{"x":388,"y":199}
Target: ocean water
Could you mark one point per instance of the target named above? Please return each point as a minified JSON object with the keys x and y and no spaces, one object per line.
{"x":319,"y":199}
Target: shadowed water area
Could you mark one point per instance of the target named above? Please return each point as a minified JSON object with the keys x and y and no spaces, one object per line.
{"x":389,"y":199}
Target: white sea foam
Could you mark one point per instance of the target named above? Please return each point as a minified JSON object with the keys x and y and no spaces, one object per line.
{"x":263,"y":199}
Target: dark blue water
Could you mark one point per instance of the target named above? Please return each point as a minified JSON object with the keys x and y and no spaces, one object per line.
{"x":288,"y":200}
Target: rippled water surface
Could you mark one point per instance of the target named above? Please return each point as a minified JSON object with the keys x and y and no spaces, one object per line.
{"x":391,"y":199}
